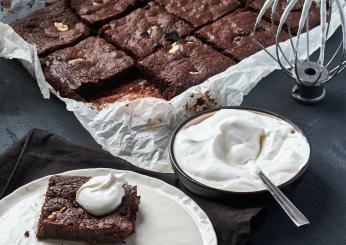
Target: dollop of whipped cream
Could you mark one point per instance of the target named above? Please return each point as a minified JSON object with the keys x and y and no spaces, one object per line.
{"x":102,"y":194}
{"x":228,"y":149}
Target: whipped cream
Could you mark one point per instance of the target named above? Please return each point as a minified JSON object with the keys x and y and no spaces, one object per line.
{"x":102,"y":194}
{"x":229,"y":148}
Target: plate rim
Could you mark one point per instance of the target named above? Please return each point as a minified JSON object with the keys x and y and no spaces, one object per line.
{"x":206,"y":229}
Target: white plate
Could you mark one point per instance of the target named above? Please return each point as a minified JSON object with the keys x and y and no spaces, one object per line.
{"x":166,"y":215}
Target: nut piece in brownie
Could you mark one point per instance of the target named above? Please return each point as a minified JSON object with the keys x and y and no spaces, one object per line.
{"x":135,"y":89}
{"x":183,"y":64}
{"x":314,"y":14}
{"x":81,"y":70}
{"x":51,"y":28}
{"x":94,"y":11}
{"x":145,"y":30}
{"x":200,"y":12}
{"x":231,"y":34}
{"x":62,"y":218}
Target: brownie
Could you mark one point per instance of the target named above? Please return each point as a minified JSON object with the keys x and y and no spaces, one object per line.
{"x":131,"y":90}
{"x":200,"y":12}
{"x":62,"y":218}
{"x":94,"y":11}
{"x":183,"y":64}
{"x":145,"y":30}
{"x":314,"y":14}
{"x":231,"y":34}
{"x":91,"y":65}
{"x":51,"y":28}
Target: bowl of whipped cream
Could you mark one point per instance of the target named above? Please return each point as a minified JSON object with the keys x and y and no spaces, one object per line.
{"x":219,"y":152}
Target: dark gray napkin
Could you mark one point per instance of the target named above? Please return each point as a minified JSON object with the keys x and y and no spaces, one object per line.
{"x":41,"y":153}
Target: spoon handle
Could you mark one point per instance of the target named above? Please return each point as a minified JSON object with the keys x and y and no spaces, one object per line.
{"x":296,"y":216}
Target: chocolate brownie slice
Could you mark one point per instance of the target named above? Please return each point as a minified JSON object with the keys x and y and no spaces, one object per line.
{"x":62,"y":218}
{"x":200,"y":12}
{"x":131,"y":90}
{"x":94,"y":11}
{"x":145,"y":30}
{"x":314,"y":14}
{"x":184,"y":64}
{"x":91,"y":65}
{"x":231,"y":34}
{"x":51,"y":28}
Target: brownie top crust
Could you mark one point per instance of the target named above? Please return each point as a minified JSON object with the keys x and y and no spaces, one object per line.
{"x":294,"y":17}
{"x":94,"y":11}
{"x":92,"y":63}
{"x":184,"y":64}
{"x":200,"y":12}
{"x":145,"y":30}
{"x":62,"y":218}
{"x":232,"y":32}
{"x":51,"y":28}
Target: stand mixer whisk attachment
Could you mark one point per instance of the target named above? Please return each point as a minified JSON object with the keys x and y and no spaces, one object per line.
{"x":310,"y":75}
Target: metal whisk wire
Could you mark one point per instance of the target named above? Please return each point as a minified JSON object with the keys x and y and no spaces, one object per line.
{"x":310,"y":76}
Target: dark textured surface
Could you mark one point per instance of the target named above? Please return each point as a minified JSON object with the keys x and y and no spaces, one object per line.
{"x":61,"y":217}
{"x":91,"y":64}
{"x":39,"y":28}
{"x":200,"y":12}
{"x":314,"y":14}
{"x":98,"y":10}
{"x":22,"y":108}
{"x":321,"y":195}
{"x":234,"y":39}
{"x":184,"y":64}
{"x":143,"y":29}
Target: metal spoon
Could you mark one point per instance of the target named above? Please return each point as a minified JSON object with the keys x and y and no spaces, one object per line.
{"x":296,"y":216}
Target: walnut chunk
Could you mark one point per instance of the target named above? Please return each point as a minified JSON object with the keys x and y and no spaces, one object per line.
{"x":152,"y":29}
{"x":174,"y":48}
{"x":75,"y":61}
{"x":60,"y":26}
{"x":97,"y":2}
{"x":52,"y":216}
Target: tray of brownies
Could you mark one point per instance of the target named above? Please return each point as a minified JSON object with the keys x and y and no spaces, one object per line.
{"x":132,"y":70}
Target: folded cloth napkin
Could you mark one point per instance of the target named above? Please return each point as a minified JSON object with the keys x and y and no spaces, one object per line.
{"x":41,"y":153}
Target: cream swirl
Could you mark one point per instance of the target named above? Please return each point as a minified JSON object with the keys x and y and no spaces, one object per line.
{"x":102,"y":194}
{"x":227,"y":149}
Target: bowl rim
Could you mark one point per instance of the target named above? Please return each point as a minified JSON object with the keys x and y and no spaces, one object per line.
{"x":221,"y":191}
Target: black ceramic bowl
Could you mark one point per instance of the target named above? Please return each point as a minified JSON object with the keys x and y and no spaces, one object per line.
{"x":211,"y":192}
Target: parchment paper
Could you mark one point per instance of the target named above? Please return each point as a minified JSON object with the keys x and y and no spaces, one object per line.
{"x":139,"y":131}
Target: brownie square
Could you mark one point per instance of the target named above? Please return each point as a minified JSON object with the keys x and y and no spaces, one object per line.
{"x":231,"y":34}
{"x":184,"y":64}
{"x":200,"y":12}
{"x":130,"y":90}
{"x":314,"y":14}
{"x":94,"y":11}
{"x":91,"y":65}
{"x":62,"y":218}
{"x":145,"y":30}
{"x":51,"y":28}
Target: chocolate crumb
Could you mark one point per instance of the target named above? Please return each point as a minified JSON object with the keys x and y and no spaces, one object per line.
{"x":172,"y":36}
{"x":157,"y":46}
{"x":260,"y":29}
{"x":145,"y":34}
{"x":26,"y":234}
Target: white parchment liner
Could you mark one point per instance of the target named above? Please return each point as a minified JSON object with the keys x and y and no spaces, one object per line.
{"x":139,"y":131}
